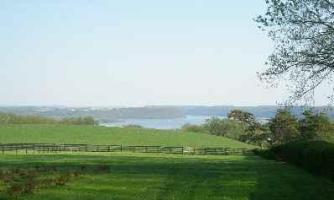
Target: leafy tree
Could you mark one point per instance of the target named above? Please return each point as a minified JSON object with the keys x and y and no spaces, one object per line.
{"x":303,"y":33}
{"x":215,"y":126}
{"x":284,"y":127}
{"x":254,"y":132}
{"x":315,"y":126}
{"x":245,"y":117}
{"x":224,"y":127}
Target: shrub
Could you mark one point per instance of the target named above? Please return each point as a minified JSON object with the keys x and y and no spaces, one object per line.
{"x":132,"y":126}
{"x":79,"y":121}
{"x":193,"y":128}
{"x":314,"y":156}
{"x":21,"y":181}
{"x":63,"y":179}
{"x":225,"y":127}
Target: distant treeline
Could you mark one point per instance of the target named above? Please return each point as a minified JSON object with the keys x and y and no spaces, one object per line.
{"x":283,"y":128}
{"x":105,"y":114}
{"x":101,"y":114}
{"x":9,"y":118}
{"x":257,"y":111}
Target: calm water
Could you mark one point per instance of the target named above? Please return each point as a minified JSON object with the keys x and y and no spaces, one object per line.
{"x":173,"y":123}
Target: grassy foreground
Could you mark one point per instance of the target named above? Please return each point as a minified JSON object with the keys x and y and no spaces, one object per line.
{"x":102,"y":135}
{"x":154,"y":176}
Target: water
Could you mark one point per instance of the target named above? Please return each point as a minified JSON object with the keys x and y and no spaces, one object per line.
{"x":173,"y":123}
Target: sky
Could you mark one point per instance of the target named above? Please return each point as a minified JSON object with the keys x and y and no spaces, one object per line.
{"x":133,"y":53}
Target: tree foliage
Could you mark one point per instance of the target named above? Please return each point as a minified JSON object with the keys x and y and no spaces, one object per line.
{"x":224,"y":127}
{"x":315,"y":126}
{"x":254,"y":131}
{"x":242,"y":116}
{"x":303,"y":34}
{"x":284,"y":127}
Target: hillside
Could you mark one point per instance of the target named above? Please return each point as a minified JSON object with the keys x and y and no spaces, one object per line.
{"x":103,"y":135}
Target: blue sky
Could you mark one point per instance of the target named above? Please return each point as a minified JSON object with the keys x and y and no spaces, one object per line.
{"x":133,"y":53}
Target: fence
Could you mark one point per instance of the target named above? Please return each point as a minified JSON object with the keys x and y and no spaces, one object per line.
{"x":54,"y":148}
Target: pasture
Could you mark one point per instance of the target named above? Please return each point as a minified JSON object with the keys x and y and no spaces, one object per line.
{"x":155,"y":176}
{"x":150,"y":176}
{"x":71,"y":134}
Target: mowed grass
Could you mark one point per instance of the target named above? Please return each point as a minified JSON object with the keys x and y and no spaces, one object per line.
{"x":65,"y":134}
{"x":155,"y":176}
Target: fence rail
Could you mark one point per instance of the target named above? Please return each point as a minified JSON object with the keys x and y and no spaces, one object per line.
{"x":54,"y":148}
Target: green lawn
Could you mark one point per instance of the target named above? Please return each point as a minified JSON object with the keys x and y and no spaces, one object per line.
{"x":130,"y":176}
{"x":103,"y":135}
{"x":154,"y":176}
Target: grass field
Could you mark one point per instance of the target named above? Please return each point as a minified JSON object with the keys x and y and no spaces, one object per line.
{"x":155,"y":176}
{"x":103,"y":135}
{"x":138,"y":176}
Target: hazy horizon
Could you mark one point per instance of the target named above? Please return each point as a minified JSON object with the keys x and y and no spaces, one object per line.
{"x":131,"y":53}
{"x":160,"y":105}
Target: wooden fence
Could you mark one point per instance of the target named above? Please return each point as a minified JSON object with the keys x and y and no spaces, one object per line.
{"x":54,"y":148}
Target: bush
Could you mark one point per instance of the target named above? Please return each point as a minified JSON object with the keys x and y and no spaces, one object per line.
{"x":79,"y":121}
{"x":314,"y":156}
{"x":193,"y":128}
{"x":225,"y":127}
{"x":132,"y":126}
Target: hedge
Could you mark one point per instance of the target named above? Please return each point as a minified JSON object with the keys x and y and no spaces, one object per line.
{"x":314,"y":156}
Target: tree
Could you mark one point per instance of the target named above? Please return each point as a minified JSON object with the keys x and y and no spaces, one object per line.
{"x":255,"y":134}
{"x":303,"y":34}
{"x":254,"y":131}
{"x":315,"y":126}
{"x":239,"y":115}
{"x":224,"y":127}
{"x":215,"y":126}
{"x":284,"y":127}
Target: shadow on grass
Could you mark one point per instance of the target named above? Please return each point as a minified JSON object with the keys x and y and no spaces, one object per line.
{"x":126,"y":177}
